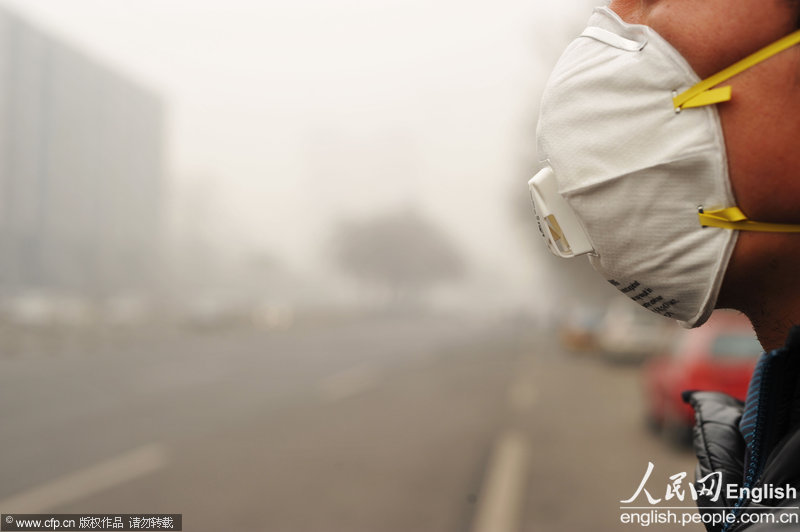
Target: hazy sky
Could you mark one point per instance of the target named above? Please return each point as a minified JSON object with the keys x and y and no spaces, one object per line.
{"x":285,"y":115}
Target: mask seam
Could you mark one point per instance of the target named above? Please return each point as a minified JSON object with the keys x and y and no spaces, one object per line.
{"x":683,"y":156}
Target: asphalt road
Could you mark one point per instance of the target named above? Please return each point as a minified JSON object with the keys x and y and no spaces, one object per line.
{"x":393,"y":423}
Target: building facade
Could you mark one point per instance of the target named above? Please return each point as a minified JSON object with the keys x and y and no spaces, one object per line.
{"x":81,"y":169}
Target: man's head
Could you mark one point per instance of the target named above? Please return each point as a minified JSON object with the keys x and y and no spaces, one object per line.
{"x":761,"y":126}
{"x":606,"y":133}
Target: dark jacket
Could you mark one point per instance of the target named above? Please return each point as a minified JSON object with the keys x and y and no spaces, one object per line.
{"x":755,"y":444}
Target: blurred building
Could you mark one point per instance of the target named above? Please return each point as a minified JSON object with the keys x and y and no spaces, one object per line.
{"x":81,"y":169}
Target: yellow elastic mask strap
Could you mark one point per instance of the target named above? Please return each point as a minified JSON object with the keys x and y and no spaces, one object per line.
{"x":734,"y":218}
{"x":703,"y":93}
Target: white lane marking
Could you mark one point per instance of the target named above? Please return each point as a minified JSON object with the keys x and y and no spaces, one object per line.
{"x":500,"y":500}
{"x":89,"y":481}
{"x":349,"y":382}
{"x":522,"y":394}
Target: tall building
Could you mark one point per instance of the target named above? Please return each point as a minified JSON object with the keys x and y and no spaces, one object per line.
{"x":81,"y":169}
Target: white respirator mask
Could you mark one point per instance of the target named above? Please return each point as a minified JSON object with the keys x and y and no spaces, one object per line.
{"x":634,"y":171}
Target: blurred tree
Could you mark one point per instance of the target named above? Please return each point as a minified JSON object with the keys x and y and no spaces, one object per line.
{"x":401,"y":251}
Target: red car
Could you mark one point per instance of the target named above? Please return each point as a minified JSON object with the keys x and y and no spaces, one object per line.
{"x":718,"y":356}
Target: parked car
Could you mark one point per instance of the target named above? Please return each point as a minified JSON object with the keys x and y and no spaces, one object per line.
{"x":718,"y":356}
{"x":578,"y":330}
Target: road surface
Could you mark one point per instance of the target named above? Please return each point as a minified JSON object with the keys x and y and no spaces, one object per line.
{"x":386,"y":423}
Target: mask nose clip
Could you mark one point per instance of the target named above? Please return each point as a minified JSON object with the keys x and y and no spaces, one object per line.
{"x":558,"y":223}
